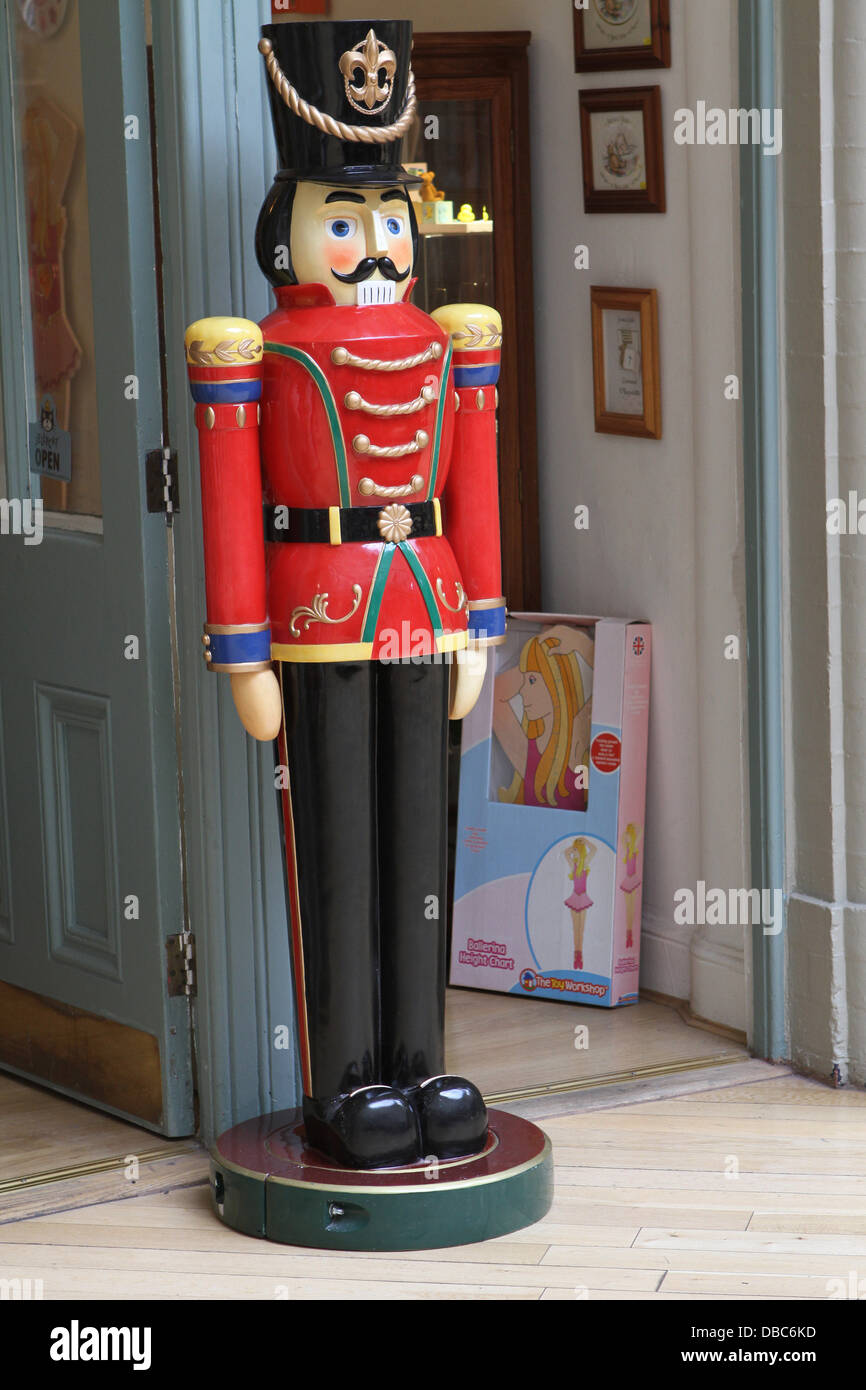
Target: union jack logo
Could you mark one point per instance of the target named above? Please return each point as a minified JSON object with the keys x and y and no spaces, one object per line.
{"x":638,"y":645}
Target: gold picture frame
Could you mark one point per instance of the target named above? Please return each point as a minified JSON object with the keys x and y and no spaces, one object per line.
{"x":625,"y":361}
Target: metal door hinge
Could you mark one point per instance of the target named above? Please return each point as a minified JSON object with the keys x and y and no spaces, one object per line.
{"x":160,"y":475}
{"x":180,"y":964}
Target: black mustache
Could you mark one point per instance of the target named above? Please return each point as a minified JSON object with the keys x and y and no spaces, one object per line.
{"x":365,"y":268}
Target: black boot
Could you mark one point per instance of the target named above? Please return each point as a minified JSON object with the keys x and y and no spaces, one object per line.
{"x":372,"y":1127}
{"x":452,"y":1116}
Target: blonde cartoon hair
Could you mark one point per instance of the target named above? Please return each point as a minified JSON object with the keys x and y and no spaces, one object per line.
{"x":576,"y":854}
{"x":561,"y":675}
{"x":630,"y":838}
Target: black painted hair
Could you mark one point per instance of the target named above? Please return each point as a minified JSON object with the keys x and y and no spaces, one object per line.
{"x":274,"y":232}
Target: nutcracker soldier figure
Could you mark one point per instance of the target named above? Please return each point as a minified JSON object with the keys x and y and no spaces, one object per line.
{"x":355,"y":622}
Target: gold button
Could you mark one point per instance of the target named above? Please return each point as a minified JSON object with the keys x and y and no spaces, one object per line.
{"x":422,"y":439}
{"x":209,"y":417}
{"x":437,"y":351}
{"x":340,"y":356}
{"x":479,"y":400}
{"x":417,"y":482}
{"x":361,"y":444}
{"x":241,"y":416}
{"x":352,"y":400}
{"x":205,"y":640}
{"x":456,"y":400}
{"x":366,"y":487}
{"x":496,"y":396}
{"x":258,"y":415}
{"x":428,"y":394}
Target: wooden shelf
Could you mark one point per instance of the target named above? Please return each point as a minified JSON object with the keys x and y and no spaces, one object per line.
{"x":453,"y":228}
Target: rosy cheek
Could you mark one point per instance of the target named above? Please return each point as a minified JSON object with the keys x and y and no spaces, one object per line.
{"x":402,"y":249}
{"x":343,"y":260}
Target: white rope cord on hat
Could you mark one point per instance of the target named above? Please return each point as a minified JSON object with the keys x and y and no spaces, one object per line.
{"x":364,"y":134}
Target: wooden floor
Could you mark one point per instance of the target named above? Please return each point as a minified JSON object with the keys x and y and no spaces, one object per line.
{"x":40,"y":1130}
{"x":509,"y":1044}
{"x":503,"y":1043}
{"x":751,"y":1184}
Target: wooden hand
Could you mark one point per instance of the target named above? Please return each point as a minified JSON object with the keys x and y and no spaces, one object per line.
{"x":467,"y":677}
{"x":257,"y":700}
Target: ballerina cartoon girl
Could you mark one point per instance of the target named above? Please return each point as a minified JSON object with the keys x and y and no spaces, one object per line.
{"x":548,"y":747}
{"x":579,"y":855}
{"x":631,"y":841}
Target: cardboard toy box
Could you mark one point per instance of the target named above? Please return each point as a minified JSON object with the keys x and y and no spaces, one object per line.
{"x":549,"y":864}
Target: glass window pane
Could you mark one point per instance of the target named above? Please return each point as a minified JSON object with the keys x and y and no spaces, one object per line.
{"x":55,"y":238}
{"x":454,"y":206}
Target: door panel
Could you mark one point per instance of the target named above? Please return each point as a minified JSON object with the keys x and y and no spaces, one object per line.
{"x":77,"y":782}
{"x":93,"y":883}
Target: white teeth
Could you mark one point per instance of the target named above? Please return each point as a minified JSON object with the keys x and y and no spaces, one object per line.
{"x":376,"y":292}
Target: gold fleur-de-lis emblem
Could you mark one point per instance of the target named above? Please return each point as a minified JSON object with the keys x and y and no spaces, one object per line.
{"x":371,"y":59}
{"x":394,"y":523}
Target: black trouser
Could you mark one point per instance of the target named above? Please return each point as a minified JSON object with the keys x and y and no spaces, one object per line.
{"x":367,"y":754}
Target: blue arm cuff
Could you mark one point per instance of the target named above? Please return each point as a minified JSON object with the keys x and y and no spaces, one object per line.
{"x":237,"y":649}
{"x":487,"y":623}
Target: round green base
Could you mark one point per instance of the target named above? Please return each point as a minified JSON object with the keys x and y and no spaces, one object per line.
{"x":265,"y":1182}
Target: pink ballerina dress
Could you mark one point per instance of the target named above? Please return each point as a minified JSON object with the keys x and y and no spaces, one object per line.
{"x":577,"y":798}
{"x":579,"y":900}
{"x":632,"y":878}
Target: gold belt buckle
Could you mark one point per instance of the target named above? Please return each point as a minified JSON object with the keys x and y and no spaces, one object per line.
{"x":394,"y":523}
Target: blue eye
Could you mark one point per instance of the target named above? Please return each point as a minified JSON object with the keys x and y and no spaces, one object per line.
{"x":341,"y":227}
{"x":394,"y":225}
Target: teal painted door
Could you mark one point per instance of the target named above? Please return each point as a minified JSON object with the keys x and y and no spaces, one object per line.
{"x":91,"y":880}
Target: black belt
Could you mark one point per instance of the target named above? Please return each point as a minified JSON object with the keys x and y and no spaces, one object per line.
{"x":356,"y":523}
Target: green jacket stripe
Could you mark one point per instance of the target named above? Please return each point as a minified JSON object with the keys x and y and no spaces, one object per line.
{"x":440,"y":415}
{"x":424,"y":585}
{"x":377,"y":588}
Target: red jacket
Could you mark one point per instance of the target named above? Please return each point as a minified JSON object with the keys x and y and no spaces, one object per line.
{"x":360,"y":407}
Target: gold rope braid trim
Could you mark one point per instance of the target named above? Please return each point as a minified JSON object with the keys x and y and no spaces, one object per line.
{"x":342,"y":357}
{"x":390,"y":451}
{"x":355,"y":401}
{"x":368,"y":488}
{"x":364,"y":134}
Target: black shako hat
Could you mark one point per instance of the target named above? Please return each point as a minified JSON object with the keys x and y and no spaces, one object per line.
{"x":329,"y":80}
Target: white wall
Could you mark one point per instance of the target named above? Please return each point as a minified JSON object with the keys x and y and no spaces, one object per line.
{"x":665,"y":540}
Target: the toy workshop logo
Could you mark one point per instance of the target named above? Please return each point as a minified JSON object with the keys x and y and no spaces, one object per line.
{"x":561,"y":984}
{"x":638,"y":646}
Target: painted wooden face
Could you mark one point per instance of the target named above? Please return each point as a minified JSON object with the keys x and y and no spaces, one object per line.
{"x":358,"y":242}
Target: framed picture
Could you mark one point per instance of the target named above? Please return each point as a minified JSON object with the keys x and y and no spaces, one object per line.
{"x":621,"y":34}
{"x":625,"y":362}
{"x":621,"y":143}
